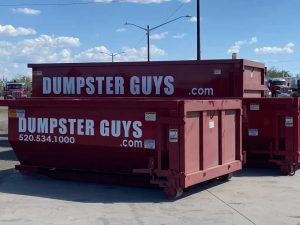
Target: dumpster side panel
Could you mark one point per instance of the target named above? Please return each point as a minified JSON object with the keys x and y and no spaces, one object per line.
{"x":212,"y":140}
{"x":230,"y":132}
{"x":175,"y":143}
{"x":188,"y":79}
{"x":210,"y":154}
{"x":97,"y":137}
{"x":270,"y":131}
{"x":253,"y":80}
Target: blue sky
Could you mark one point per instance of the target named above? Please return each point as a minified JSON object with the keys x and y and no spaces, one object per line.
{"x":261,"y":30}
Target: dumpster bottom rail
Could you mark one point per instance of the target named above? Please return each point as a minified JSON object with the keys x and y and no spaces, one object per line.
{"x":172,"y":182}
{"x":138,"y":180}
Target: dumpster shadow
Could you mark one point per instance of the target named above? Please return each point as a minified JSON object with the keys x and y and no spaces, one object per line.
{"x":258,"y":172}
{"x":8,"y":155}
{"x":4,"y":143}
{"x":12,"y":182}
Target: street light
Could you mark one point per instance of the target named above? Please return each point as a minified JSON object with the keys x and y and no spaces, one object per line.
{"x":112,"y":55}
{"x":148,"y":30}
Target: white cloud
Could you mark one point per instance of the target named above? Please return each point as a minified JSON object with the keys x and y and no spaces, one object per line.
{"x":93,"y":54}
{"x":14,"y":57}
{"x":159,"y":36}
{"x":10,"y":30}
{"x":128,"y":54}
{"x":238,"y":44}
{"x":185,"y":1}
{"x":287,"y":49}
{"x":121,"y":30}
{"x":44,"y":49}
{"x":27,"y":11}
{"x":51,"y":41}
{"x":179,"y":36}
{"x":193,"y":19}
{"x":134,"y":54}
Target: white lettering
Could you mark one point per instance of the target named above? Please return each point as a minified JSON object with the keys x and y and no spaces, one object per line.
{"x":134,"y":85}
{"x":157,"y":84}
{"x":126,"y":126}
{"x":109,"y":86}
{"x":100,"y":83}
{"x":119,"y":83}
{"x":31,"y":125}
{"x":42,"y":125}
{"x":69,"y":85}
{"x":56,"y":85}
{"x":169,"y":89}
{"x":22,"y":125}
{"x":104,"y":128}
{"x":63,"y":127}
{"x":146,"y":85}
{"x":137,"y":133}
{"x":46,"y":85}
{"x":79,"y":84}
{"x":53,"y":125}
{"x":90,"y":87}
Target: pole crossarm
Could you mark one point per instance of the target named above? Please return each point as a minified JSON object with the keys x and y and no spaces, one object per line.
{"x":145,"y":29}
{"x":170,"y":21}
{"x":148,"y":30}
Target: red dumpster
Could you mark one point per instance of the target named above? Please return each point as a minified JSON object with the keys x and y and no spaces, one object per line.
{"x":183,"y":79}
{"x":271,"y":132}
{"x":170,"y":143}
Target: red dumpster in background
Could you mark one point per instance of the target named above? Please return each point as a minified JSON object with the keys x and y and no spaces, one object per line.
{"x":183,"y":79}
{"x":271,"y":132}
{"x":170,"y":143}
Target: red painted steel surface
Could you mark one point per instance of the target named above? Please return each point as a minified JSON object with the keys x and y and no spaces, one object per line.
{"x":188,"y":79}
{"x":176,"y":143}
{"x":271,"y":132}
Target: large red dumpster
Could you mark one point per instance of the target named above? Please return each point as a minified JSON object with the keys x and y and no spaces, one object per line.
{"x":271,"y":132}
{"x":170,"y":143}
{"x":183,"y":79}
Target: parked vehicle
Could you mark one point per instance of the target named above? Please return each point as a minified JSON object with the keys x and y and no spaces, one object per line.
{"x":279,"y":88}
{"x":13,"y":90}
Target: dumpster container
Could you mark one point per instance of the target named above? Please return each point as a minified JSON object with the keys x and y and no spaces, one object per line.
{"x":183,"y":79}
{"x":271,"y":132}
{"x":173,"y":144}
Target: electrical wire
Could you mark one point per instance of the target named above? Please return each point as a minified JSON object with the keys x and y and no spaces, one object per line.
{"x":174,"y":12}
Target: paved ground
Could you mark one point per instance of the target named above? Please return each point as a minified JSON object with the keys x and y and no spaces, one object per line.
{"x":253,"y":196}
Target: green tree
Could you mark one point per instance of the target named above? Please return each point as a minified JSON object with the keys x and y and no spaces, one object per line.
{"x":22,"y":79}
{"x":275,"y":73}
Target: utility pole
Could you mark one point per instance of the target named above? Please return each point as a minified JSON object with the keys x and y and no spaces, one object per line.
{"x":112,"y":55}
{"x":198,"y":31}
{"x":148,"y":30}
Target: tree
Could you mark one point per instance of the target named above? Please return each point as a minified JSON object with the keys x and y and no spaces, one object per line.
{"x":22,"y":79}
{"x":275,"y":73}
{"x":26,"y":80}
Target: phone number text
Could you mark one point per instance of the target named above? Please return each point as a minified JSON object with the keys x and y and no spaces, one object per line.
{"x":46,"y":138}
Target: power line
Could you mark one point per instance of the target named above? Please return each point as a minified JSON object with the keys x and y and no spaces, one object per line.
{"x":174,"y":12}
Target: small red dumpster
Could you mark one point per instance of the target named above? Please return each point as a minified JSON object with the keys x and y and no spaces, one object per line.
{"x":170,"y":143}
{"x":183,"y":79}
{"x":271,"y":132}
